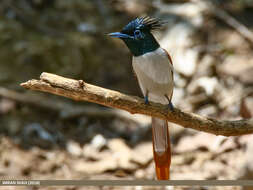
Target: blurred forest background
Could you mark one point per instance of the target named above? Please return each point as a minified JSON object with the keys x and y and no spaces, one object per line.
{"x":48,"y":137}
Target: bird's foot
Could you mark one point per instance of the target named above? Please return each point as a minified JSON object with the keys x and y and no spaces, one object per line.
{"x":170,"y":106}
{"x":146,"y":100}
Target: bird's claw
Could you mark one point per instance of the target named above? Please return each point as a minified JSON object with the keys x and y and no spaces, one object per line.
{"x":146,"y":100}
{"x":170,"y":106}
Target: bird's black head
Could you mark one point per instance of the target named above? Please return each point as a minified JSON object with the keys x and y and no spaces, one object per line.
{"x":137,"y":35}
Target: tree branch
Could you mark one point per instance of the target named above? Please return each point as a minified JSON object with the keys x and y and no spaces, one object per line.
{"x":80,"y":91}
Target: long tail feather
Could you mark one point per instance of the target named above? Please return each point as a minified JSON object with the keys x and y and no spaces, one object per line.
{"x":161,"y":148}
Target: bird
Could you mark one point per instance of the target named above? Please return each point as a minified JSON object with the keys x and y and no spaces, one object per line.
{"x":153,"y":68}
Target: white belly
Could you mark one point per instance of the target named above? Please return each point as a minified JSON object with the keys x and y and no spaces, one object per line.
{"x":154,"y":74}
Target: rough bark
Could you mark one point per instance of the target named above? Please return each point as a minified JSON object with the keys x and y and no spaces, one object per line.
{"x":81,"y":91}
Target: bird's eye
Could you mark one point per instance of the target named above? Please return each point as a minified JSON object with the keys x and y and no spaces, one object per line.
{"x":138,"y":34}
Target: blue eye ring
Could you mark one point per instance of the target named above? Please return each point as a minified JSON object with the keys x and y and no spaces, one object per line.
{"x":138,"y":35}
{"x":137,"y":32}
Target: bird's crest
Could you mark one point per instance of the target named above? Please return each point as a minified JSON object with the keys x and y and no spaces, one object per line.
{"x":143,"y":23}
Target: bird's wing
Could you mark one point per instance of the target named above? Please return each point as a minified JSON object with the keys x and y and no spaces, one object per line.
{"x":172,"y":70}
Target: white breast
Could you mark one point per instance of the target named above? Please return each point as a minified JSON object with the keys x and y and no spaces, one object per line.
{"x":154,"y":73}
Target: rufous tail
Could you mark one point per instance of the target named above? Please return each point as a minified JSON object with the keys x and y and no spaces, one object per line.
{"x":161,"y":148}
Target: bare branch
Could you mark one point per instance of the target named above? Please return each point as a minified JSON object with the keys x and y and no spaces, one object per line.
{"x":80,"y":91}
{"x":65,"y":110}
